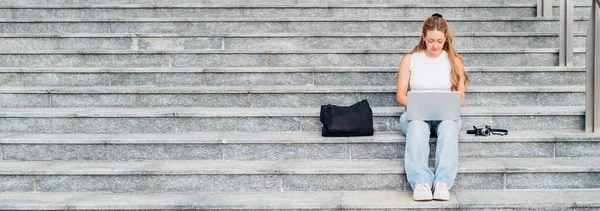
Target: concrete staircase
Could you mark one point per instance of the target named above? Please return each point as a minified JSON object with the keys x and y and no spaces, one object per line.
{"x":201,"y":104}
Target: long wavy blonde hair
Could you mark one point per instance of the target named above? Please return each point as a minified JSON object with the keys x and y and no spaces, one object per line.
{"x":437,"y":23}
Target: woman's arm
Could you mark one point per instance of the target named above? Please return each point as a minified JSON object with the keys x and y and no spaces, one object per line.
{"x":403,"y":80}
{"x":461,"y":82}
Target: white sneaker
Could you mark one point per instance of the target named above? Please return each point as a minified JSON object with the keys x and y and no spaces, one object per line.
{"x":441,"y":191}
{"x":422,"y":192}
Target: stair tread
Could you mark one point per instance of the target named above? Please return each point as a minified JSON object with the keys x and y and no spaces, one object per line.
{"x":269,"y":112}
{"x":267,"y":35}
{"x":286,"y":89}
{"x":279,"y":51}
{"x":281,"y":138}
{"x":527,"y":198}
{"x":332,"y":69}
{"x":208,"y":6}
{"x":285,"y":167}
{"x":284,"y":19}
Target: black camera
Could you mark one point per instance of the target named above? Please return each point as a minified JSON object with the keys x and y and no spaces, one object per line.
{"x":486,"y":130}
{"x":483,"y":130}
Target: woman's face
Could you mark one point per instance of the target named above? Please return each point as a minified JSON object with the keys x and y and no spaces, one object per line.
{"x":434,"y":40}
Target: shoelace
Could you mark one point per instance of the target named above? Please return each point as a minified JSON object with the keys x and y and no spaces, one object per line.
{"x":421,"y":186}
{"x":441,"y":185}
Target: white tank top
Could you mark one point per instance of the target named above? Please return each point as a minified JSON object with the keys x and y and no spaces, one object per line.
{"x":430,"y":73}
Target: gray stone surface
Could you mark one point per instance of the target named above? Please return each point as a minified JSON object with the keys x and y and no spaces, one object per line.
{"x":40,"y":60}
{"x":540,"y":199}
{"x":166,"y":152}
{"x":65,"y":79}
{"x":530,"y":59}
{"x":565,"y":180}
{"x":249,"y":79}
{"x":352,"y":79}
{"x":266,"y":2}
{"x":179,"y":43}
{"x":468,"y":181}
{"x":378,"y":151}
{"x":292,"y":76}
{"x":11,"y":79}
{"x":53,"y":152}
{"x":579,"y":11}
{"x":214,"y":183}
{"x":278,"y":200}
{"x":362,"y":200}
{"x":412,"y":26}
{"x":143,"y":27}
{"x":578,"y":149}
{"x":526,"y":78}
{"x":286,"y":151}
{"x":218,"y":60}
{"x":276,"y":59}
{"x":157,"y":79}
{"x":351,"y":200}
{"x":240,"y":124}
{"x":94,"y":100}
{"x":424,"y":12}
{"x":28,"y":43}
{"x":293,"y":60}
{"x":201,"y":12}
{"x":282,"y":25}
{"x":124,"y":60}
{"x":316,"y":100}
{"x":24,"y":100}
{"x":508,"y":150}
{"x":125,"y":125}
{"x":273,"y":43}
{"x":229,"y":27}
{"x":94,"y":43}
{"x":333,"y":182}
{"x":114,"y":184}
{"x":524,"y":99}
{"x":562,"y":99}
{"x":33,"y":125}
{"x":48,"y":27}
{"x":194,"y":100}
{"x":537,"y":123}
{"x":584,"y":198}
{"x":17,"y":184}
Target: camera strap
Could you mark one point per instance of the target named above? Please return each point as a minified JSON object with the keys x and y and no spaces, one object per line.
{"x":501,"y":132}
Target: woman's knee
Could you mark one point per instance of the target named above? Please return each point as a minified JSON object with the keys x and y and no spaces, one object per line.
{"x":418,"y":125}
{"x":451,"y":124}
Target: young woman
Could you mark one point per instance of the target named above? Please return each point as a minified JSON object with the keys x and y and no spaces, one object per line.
{"x":433,"y":64}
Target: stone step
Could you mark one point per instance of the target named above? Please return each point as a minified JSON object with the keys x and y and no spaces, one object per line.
{"x":271,"y":41}
{"x":103,"y":11}
{"x":579,"y":10}
{"x":282,"y":146}
{"x":525,"y":199}
{"x":270,"y":58}
{"x":280,"y":25}
{"x":265,"y":11}
{"x":283,"y":176}
{"x":182,"y":120}
{"x":275,"y":2}
{"x":252,"y":76}
{"x":269,"y":96}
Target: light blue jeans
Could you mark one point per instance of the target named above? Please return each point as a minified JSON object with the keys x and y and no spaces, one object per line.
{"x":416,"y":156}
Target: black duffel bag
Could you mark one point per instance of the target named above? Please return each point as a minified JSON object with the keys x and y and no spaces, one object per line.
{"x":354,"y":120}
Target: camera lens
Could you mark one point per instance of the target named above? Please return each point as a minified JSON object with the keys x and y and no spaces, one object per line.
{"x":486,"y":132}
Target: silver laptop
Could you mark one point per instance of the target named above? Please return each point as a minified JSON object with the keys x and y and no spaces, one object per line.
{"x":433,"y":105}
